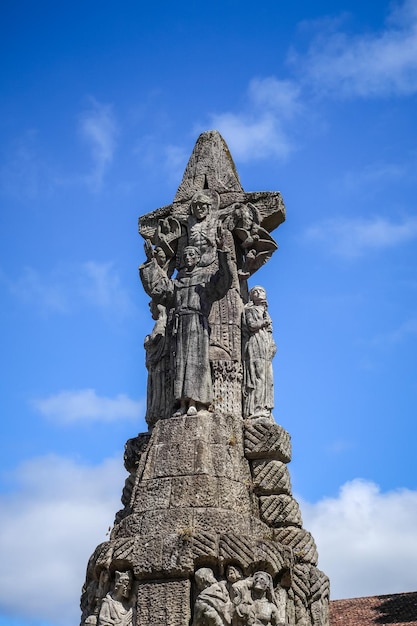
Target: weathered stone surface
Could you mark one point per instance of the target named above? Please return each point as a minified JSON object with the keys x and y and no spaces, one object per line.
{"x":300,"y":541}
{"x":270,"y":477}
{"x":152,"y":494}
{"x":264,"y":439}
{"x":281,"y":510}
{"x":164,"y":602}
{"x":134,"y":448}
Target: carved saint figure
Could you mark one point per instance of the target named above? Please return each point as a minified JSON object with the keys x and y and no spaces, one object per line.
{"x":258,"y":351}
{"x":202,"y":228}
{"x":157,"y":363}
{"x":257,"y":607}
{"x":115,"y":609}
{"x":190,"y":296}
{"x":256,"y":242}
{"x":212,"y":606}
{"x":264,"y":611}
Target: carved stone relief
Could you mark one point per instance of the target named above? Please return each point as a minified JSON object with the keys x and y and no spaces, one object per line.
{"x":238,"y":600}
{"x":115,"y":608}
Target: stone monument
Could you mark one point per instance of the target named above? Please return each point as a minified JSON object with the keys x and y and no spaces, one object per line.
{"x":209,"y":533}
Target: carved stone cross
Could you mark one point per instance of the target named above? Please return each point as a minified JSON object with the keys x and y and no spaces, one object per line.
{"x":210,"y":204}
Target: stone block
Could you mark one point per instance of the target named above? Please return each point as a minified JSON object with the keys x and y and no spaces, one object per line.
{"x":147,"y":558}
{"x":205,"y":546}
{"x":134,"y":449}
{"x":237,"y":548}
{"x":165,"y":521}
{"x":171,"y":459}
{"x":123,"y":553}
{"x":177,"y":555}
{"x":233,"y":495}
{"x":164,"y":602}
{"x":128,"y":527}
{"x":270,"y":477}
{"x":281,"y":510}
{"x":219,"y":521}
{"x":300,"y":541}
{"x":194,"y":491}
{"x":264,"y":439}
{"x":271,"y":556}
{"x":152,"y":494}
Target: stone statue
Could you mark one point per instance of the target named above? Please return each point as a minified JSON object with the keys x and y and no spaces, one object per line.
{"x":202,"y":228}
{"x":258,"y":351}
{"x":212,"y":606}
{"x":261,"y":608}
{"x":256,"y":243}
{"x":157,"y":363}
{"x":208,"y":491}
{"x":190,"y":296}
{"x":115,"y":609}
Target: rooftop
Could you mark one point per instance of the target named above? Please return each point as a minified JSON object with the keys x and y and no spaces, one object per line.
{"x":399,"y":609}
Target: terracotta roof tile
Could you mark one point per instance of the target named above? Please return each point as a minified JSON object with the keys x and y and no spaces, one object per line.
{"x":399,"y":609}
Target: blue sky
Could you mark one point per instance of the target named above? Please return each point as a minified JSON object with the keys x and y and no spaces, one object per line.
{"x":101,"y":106}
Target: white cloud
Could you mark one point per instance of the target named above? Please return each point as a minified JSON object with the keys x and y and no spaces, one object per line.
{"x":366,"y":65}
{"x":65,"y":288}
{"x":85,"y":405}
{"x":260,"y":130}
{"x":354,"y":237}
{"x":50,"y":524}
{"x":59,"y":511}
{"x":98,"y":127}
{"x":366,"y":539}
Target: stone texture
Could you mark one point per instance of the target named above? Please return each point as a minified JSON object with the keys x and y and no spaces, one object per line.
{"x":264,"y":439}
{"x":281,"y":510}
{"x":270,"y":477}
{"x":164,"y":602}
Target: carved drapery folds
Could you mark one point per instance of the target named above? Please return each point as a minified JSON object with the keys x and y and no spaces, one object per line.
{"x":209,"y":533}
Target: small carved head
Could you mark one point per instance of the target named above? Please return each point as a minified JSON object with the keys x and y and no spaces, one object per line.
{"x":201,"y":205}
{"x":123,"y":583}
{"x":262,"y":581}
{"x":233,"y":573}
{"x":191,"y":256}
{"x":204,"y":577}
{"x":258,"y":295}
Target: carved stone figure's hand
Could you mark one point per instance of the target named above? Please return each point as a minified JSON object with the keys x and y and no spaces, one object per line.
{"x":148,"y":249}
{"x":220,"y":238}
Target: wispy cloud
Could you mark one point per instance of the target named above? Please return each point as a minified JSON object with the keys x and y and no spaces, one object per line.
{"x":406,"y":330}
{"x":52,"y":517}
{"x":352,"y":238}
{"x":366,"y":65}
{"x":98,"y":127}
{"x":260,"y":130}
{"x":68,"y":407}
{"x":366,"y":539}
{"x":25,"y":172}
{"x":375,"y":177}
{"x":65,"y":288}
